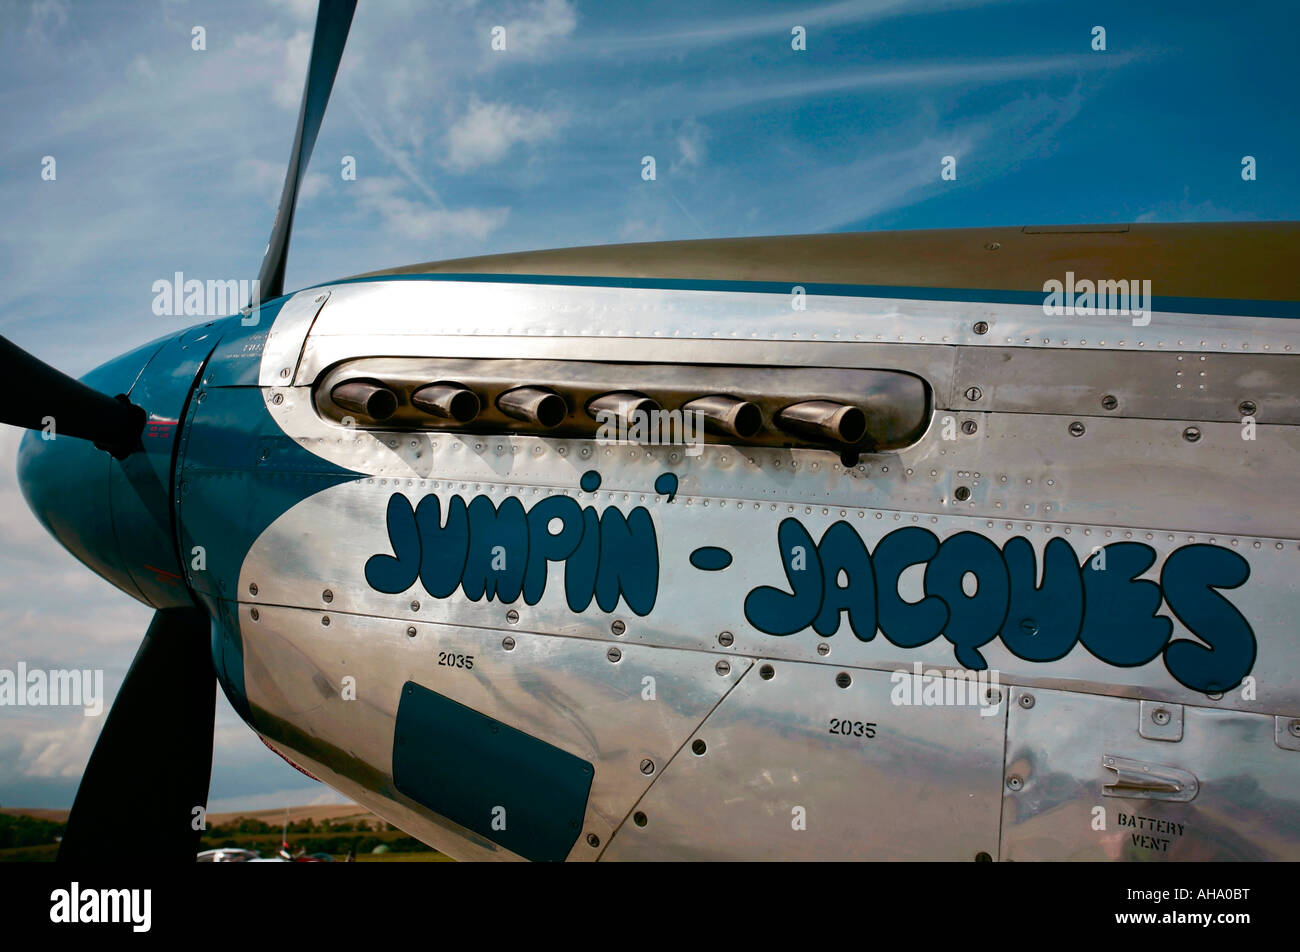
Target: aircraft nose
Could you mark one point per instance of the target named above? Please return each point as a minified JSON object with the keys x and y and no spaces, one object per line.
{"x":114,"y":514}
{"x":66,"y":480}
{"x":66,"y":484}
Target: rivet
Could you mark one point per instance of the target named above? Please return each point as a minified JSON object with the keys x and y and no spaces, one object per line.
{"x":1077,"y":428}
{"x":613,"y":654}
{"x":618,"y":627}
{"x":647,"y":767}
{"x":1026,"y":701}
{"x":725,"y":639}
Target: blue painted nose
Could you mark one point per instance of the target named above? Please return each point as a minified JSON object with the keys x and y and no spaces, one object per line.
{"x":116,"y":516}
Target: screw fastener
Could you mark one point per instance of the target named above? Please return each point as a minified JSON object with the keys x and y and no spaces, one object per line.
{"x":1192,"y":434}
{"x":1109,"y":402}
{"x":723,"y":668}
{"x":1014,"y":783}
{"x":1026,"y":701}
{"x":1077,"y":428}
{"x":973,"y":393}
{"x":647,"y":767}
{"x":725,"y":639}
{"x":613,"y":654}
{"x":1160,"y":716}
{"x":618,"y":628}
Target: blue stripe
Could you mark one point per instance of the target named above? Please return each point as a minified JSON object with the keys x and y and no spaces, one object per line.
{"x":1164,"y":303}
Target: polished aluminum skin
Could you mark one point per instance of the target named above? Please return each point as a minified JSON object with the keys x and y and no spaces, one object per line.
{"x":744,"y":731}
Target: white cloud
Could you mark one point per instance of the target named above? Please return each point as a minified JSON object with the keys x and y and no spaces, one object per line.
{"x":488,"y":131}
{"x":418,"y":220}
{"x":299,"y":9}
{"x":287,"y":93}
{"x":535,"y":30}
{"x":691,"y":148}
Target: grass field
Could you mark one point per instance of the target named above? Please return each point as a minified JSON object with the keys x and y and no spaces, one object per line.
{"x":29,"y":835}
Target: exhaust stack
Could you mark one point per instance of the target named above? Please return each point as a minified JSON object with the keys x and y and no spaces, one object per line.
{"x":728,"y":416}
{"x":365,"y":397}
{"x":824,"y":420}
{"x":536,"y":405}
{"x":447,"y":401}
{"x":624,"y":404}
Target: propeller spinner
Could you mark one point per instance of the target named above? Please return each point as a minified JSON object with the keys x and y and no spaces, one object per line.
{"x":152,"y":761}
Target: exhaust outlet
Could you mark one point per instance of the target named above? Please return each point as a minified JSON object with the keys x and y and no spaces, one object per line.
{"x":824,"y":420}
{"x":447,"y":401}
{"x":623,"y":404}
{"x":365,"y":397}
{"x":536,"y":405}
{"x":727,"y":416}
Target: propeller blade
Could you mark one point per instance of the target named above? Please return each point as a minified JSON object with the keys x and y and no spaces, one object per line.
{"x":151,"y":765}
{"x":333,"y":20}
{"x":37,"y":394}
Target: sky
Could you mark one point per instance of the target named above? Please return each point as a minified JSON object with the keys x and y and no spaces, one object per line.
{"x":169,"y":158}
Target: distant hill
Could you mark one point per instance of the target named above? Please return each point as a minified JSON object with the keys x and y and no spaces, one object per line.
{"x":334,"y":812}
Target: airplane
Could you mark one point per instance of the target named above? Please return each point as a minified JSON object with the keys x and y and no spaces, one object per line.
{"x":957,"y":545}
